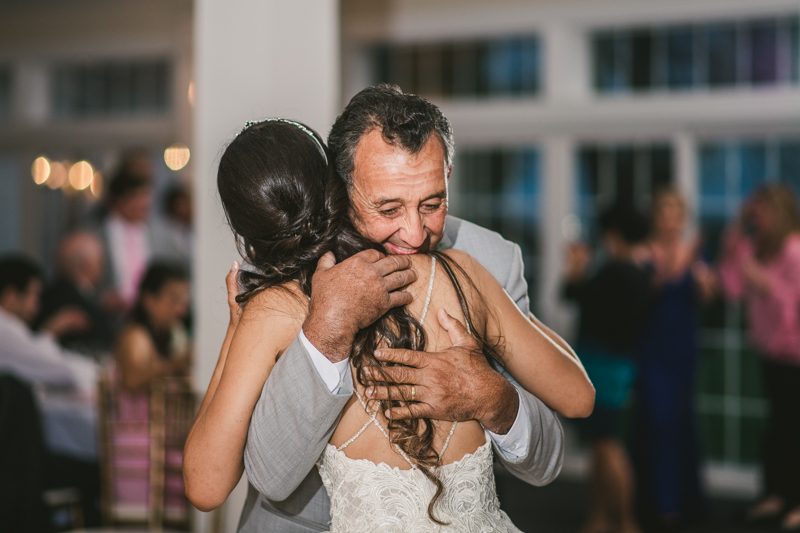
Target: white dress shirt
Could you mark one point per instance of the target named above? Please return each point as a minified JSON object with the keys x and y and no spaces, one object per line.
{"x":39,"y":360}
{"x":129,"y":254}
{"x":513,"y":445}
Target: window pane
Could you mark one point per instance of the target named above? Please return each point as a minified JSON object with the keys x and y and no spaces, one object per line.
{"x":764,"y":51}
{"x":713,"y":180}
{"x":624,"y":192}
{"x":794,"y":49}
{"x":465,"y":69}
{"x":604,"y":61}
{"x":753,"y":167}
{"x":642,"y":43}
{"x":661,"y":166}
{"x":623,"y":61}
{"x":381,"y":64}
{"x":404,"y":69}
{"x":502,"y":66}
{"x":789,"y":163}
{"x":721,"y":47}
{"x":5,"y":92}
{"x":429,"y":70}
{"x":529,"y":65}
{"x":680,"y":57}
{"x":111,"y":88}
{"x":498,"y":190}
{"x":587,"y":182}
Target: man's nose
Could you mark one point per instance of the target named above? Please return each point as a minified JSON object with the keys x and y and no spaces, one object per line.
{"x":414,"y":227}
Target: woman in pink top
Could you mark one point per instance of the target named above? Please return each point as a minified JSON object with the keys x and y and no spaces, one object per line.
{"x":764,"y":270}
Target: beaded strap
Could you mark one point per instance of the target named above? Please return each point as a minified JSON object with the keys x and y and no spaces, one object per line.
{"x":430,"y":291}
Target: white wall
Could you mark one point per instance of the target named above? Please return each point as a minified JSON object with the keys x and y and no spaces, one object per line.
{"x":253,"y":59}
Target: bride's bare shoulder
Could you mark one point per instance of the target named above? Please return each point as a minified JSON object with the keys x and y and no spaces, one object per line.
{"x":286,"y":301}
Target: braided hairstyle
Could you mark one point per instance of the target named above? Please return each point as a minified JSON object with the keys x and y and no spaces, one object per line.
{"x":287,"y":208}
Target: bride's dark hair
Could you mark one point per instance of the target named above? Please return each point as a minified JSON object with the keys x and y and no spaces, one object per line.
{"x":287,"y":208}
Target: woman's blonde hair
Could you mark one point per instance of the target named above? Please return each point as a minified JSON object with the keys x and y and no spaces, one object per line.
{"x":668,"y":193}
{"x":782,"y":201}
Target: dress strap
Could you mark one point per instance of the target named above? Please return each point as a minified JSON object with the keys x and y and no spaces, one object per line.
{"x":430,"y":291}
{"x":373,"y":420}
{"x":447,"y":441}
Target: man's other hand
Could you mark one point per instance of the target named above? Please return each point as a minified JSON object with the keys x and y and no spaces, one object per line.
{"x":66,"y":321}
{"x":351,"y":295}
{"x":456,"y":384}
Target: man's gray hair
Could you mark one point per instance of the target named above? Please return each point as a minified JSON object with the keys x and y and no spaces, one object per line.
{"x":404,"y":120}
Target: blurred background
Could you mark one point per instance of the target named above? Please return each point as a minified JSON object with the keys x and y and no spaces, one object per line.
{"x":560,"y":109}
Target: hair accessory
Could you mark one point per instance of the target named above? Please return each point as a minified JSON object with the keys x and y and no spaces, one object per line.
{"x":297,"y":125}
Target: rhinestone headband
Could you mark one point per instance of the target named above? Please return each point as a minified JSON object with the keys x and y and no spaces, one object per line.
{"x":296,"y":125}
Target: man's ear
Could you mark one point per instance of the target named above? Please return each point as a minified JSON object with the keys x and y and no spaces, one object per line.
{"x":449,"y":171}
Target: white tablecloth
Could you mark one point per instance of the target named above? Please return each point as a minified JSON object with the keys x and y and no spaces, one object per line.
{"x":70,"y":424}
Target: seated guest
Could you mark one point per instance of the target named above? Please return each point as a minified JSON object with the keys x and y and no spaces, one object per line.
{"x":81,"y":265}
{"x":154,"y":344}
{"x":35,"y":357}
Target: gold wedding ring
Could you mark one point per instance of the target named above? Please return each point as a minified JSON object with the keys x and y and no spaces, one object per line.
{"x":413,"y":392}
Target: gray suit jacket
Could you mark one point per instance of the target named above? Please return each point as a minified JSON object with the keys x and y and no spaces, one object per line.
{"x":296,"y":415}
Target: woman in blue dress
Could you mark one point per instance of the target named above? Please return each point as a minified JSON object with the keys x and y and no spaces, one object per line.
{"x":666,"y":453}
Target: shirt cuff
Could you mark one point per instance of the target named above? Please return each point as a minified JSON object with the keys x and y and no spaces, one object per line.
{"x":332,"y":374}
{"x":514,"y":444}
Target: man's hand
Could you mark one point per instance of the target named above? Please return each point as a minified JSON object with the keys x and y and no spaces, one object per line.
{"x":352,"y":295}
{"x":67,"y":320}
{"x":456,"y":384}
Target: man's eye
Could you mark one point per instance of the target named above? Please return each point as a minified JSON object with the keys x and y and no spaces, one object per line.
{"x":389,"y":212}
{"x":430,"y":208}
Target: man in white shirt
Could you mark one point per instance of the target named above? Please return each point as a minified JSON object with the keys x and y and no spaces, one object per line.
{"x":36,"y":357}
{"x":130,"y":238}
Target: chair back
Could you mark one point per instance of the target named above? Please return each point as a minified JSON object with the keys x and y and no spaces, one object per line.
{"x":142,"y":435}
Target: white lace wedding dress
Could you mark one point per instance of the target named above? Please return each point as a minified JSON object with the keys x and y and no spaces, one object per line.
{"x":376,"y":498}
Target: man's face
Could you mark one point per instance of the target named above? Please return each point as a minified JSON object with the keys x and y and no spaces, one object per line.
{"x":400,"y":199}
{"x":24,"y":304}
{"x":135,"y":207}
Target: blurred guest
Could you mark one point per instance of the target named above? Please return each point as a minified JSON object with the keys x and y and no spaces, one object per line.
{"x":35,"y":357}
{"x":613,"y":303}
{"x":665,"y":449}
{"x":155,"y":344}
{"x":761,"y":265}
{"x":178,"y":213}
{"x":80,"y":270}
{"x":130,"y":239}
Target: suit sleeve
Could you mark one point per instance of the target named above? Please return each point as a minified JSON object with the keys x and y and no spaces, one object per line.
{"x":515,"y":284}
{"x":291,"y":424}
{"x":546,"y":450}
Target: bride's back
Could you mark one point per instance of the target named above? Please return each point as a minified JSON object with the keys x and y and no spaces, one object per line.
{"x":372,"y":444}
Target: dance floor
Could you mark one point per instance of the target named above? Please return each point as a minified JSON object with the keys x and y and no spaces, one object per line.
{"x":561,"y":508}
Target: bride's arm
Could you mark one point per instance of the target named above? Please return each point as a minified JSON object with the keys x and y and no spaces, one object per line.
{"x":213,"y":454}
{"x":232,"y":285}
{"x":541,"y":364}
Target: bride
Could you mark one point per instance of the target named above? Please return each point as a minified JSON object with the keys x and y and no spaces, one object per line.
{"x":380,"y":473}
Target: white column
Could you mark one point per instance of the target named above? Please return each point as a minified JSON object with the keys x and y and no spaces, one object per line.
{"x":559,"y":208}
{"x":686,"y":177}
{"x":567,"y":68}
{"x":252,"y":59}
{"x":31,"y":97}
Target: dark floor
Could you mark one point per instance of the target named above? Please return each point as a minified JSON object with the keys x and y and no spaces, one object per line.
{"x":561,"y":508}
